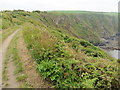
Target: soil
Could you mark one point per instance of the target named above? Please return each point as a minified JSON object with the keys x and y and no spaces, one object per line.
{"x":0,"y":31}
{"x":12,"y":82}
{"x":3,"y":49}
{"x":29,"y":65}
{"x":34,"y":78}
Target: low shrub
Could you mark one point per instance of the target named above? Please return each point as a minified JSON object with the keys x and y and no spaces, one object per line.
{"x":56,"y":60}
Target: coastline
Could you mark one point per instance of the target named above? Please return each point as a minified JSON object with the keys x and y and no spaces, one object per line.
{"x":109,"y":48}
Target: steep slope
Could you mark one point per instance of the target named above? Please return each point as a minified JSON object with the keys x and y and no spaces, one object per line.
{"x":69,"y":62}
{"x":57,"y":42}
{"x":91,"y":26}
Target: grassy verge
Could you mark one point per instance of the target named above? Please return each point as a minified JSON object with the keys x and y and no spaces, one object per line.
{"x":0,"y":37}
{"x":5,"y":33}
{"x":4,"y":72}
{"x":12,"y":53}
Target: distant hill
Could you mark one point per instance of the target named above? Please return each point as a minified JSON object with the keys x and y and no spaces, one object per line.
{"x":91,"y":26}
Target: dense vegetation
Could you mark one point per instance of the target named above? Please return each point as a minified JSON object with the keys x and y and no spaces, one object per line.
{"x":56,"y":41}
{"x":91,"y":26}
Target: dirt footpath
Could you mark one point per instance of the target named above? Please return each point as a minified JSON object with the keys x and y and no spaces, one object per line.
{"x":29,"y":65}
{"x":3,"y":49}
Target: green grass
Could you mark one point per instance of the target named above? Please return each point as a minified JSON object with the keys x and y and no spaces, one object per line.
{"x":55,"y":41}
{"x":77,"y":12}
{"x":0,"y":38}
{"x":5,"y":33}
{"x":4,"y":73}
{"x":19,"y":71}
{"x":22,"y":77}
{"x":16,"y":57}
{"x":81,"y":24}
{"x":9,"y":55}
{"x":69,"y":62}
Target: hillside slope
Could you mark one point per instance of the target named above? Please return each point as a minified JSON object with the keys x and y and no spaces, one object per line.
{"x":87,"y":25}
{"x":57,"y":42}
{"x":91,"y":26}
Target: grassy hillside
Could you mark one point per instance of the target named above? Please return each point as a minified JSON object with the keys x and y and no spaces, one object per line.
{"x":86,"y":25}
{"x":59,"y":42}
{"x":69,"y":62}
{"x":91,"y":26}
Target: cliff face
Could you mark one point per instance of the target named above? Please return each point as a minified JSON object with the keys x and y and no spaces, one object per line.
{"x":90,"y":26}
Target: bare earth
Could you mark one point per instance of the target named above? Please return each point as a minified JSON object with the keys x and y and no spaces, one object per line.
{"x":0,"y":31}
{"x":12,"y":83}
{"x":34,"y":78}
{"x":3,"y":49}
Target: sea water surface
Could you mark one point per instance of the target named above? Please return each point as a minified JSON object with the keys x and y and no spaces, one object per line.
{"x":114,"y":53}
